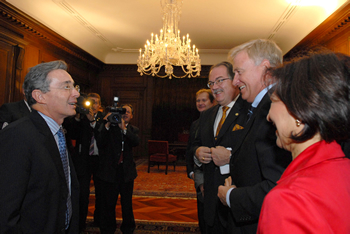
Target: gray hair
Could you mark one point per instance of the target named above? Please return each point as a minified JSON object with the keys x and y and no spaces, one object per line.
{"x":36,"y":78}
{"x":258,"y":50}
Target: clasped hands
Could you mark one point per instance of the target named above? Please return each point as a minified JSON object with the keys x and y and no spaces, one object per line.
{"x":219,"y":155}
{"x":223,"y":189}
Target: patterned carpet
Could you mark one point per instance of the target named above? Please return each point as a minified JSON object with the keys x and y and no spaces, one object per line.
{"x":156,"y":183}
{"x":161,"y":203}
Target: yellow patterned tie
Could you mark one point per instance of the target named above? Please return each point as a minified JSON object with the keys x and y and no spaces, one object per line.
{"x":222,"y":120}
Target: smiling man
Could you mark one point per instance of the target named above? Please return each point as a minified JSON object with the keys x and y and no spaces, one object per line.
{"x":218,"y":129}
{"x":39,"y":186}
{"x":256,"y":163}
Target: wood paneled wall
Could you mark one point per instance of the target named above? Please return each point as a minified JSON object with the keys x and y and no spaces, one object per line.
{"x":25,"y":42}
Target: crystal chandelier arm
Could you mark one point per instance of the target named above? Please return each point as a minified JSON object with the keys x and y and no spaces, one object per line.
{"x":168,"y":50}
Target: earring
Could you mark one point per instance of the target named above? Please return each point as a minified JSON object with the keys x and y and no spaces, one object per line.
{"x":298,"y":122}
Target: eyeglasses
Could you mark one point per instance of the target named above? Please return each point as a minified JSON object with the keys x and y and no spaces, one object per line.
{"x":70,"y":87}
{"x":217,"y":82}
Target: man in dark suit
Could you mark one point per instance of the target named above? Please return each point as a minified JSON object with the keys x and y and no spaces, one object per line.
{"x":83,"y":128}
{"x":40,"y":191}
{"x":256,"y":163}
{"x":10,"y":112}
{"x":117,"y":171}
{"x":212,"y":133}
{"x":204,"y":101}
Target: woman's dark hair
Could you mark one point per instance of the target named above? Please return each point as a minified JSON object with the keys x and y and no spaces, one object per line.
{"x":315,"y":90}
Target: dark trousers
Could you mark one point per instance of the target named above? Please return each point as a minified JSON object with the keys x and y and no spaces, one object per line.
{"x":84,"y":183}
{"x":200,"y":210}
{"x":109,"y":198}
{"x":218,"y":226}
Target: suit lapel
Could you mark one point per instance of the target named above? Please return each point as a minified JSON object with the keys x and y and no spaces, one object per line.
{"x":249,"y":124}
{"x":49,"y":142}
{"x":235,"y":112}
{"x":211,"y":122}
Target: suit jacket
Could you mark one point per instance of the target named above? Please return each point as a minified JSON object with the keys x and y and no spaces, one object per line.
{"x":10,"y":112}
{"x":189,"y":152}
{"x":190,"y":165}
{"x":109,"y":143}
{"x":312,"y":195}
{"x":82,"y":132}
{"x":227,"y":135}
{"x":34,"y":189}
{"x":256,"y":164}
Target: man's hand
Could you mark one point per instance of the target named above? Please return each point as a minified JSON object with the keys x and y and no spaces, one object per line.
{"x":122,"y":124}
{"x":91,"y":115}
{"x":204,"y":154}
{"x":222,"y":191}
{"x":108,"y":124}
{"x":220,"y":155}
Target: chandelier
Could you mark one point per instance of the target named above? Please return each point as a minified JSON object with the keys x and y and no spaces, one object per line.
{"x":168,"y":49}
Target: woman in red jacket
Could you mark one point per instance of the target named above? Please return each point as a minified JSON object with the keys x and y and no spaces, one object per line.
{"x":311,"y":111}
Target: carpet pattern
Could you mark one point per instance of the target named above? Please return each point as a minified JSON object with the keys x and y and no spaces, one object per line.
{"x":161,"y":203}
{"x":149,"y":227}
{"x":156,"y":183}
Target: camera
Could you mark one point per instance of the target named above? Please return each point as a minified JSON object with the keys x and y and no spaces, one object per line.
{"x":84,"y":104}
{"x":117,"y":112}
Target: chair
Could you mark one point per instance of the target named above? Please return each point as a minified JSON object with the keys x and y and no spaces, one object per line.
{"x":158,"y":153}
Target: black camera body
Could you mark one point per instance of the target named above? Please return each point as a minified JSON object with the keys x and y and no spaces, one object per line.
{"x":84,"y":104}
{"x":117,"y":112}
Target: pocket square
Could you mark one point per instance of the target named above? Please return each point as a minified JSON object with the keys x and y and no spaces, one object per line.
{"x":237,"y":127}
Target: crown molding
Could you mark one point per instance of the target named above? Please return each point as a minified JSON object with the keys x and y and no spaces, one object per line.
{"x":23,"y":23}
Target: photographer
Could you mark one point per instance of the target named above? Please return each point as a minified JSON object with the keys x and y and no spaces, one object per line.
{"x":83,"y":128}
{"x":118,"y":170}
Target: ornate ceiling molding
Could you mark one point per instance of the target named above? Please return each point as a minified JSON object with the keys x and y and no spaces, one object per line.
{"x":333,"y":26}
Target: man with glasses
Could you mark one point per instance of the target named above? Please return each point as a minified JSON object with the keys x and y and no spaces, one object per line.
{"x":39,"y":188}
{"x":219,"y":126}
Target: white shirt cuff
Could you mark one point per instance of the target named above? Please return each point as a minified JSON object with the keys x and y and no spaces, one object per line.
{"x":225,"y":169}
{"x":196,"y":161}
{"x":228,"y":197}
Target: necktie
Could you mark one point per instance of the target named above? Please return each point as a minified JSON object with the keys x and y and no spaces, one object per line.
{"x":250,"y":112}
{"x":63,"y":153}
{"x":222,"y":120}
{"x":92,"y":143}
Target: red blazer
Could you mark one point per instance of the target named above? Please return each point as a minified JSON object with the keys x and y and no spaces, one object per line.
{"x":312,"y":196}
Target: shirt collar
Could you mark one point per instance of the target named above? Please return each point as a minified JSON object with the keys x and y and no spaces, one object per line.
{"x":262,"y":93}
{"x":230,"y":105}
{"x":54,"y":127}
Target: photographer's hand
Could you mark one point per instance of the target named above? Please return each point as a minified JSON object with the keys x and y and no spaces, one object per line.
{"x":90,"y":116}
{"x":108,"y":124}
{"x":122,"y":124}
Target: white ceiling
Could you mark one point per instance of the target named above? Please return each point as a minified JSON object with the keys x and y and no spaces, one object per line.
{"x":113,"y":31}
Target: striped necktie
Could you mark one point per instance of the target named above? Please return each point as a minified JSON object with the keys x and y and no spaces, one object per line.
{"x":63,"y":153}
{"x":250,"y":112}
{"x":222,"y":120}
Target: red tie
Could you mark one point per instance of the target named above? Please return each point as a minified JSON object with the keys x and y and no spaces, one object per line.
{"x":121,"y":158}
